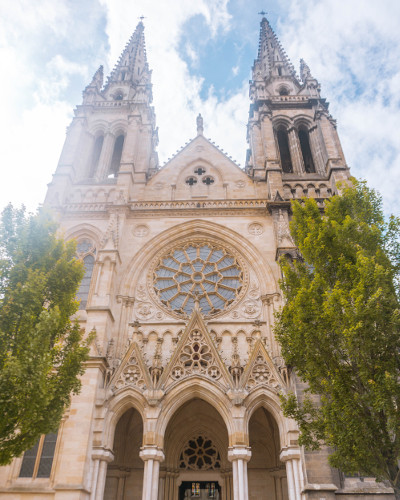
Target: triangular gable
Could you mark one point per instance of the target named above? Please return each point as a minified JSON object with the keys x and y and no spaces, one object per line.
{"x":195,"y":354}
{"x":132,"y":372}
{"x":260,"y":370}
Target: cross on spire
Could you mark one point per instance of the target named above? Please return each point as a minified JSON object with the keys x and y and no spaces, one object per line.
{"x":263,"y":13}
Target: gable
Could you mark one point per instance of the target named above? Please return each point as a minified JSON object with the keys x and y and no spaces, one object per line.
{"x":200,"y":171}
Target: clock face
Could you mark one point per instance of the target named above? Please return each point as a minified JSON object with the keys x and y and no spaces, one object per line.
{"x":202,"y":271}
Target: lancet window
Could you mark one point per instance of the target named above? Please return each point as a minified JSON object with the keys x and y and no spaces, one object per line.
{"x":97,"y":147}
{"x":86,"y":251}
{"x":38,"y":460}
{"x":284,"y":151}
{"x":117,"y":154}
{"x":304,"y":140}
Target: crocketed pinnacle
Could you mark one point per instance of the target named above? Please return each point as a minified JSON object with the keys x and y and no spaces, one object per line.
{"x":132,"y":66}
{"x":272,"y":59}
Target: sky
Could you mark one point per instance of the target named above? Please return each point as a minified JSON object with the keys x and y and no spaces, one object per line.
{"x":201,"y":53}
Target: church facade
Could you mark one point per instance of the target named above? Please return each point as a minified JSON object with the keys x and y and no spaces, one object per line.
{"x":180,"y":398}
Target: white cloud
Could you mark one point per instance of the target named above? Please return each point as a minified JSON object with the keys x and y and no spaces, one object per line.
{"x":351,"y":47}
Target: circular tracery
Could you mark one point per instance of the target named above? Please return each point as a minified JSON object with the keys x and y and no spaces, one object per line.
{"x":200,"y":271}
{"x":200,"y":454}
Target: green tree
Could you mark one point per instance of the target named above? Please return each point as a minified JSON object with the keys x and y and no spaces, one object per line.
{"x":41,"y":351}
{"x":340,"y":331}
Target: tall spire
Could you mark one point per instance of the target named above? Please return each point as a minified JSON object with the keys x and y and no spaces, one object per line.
{"x":132,"y":68}
{"x":272,"y":60}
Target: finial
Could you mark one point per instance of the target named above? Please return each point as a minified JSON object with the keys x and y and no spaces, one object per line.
{"x":304,"y":70}
{"x":262,"y":13}
{"x":141,"y":18}
{"x":199,"y":121}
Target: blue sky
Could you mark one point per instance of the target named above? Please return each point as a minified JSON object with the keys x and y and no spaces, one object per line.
{"x":201,"y":55}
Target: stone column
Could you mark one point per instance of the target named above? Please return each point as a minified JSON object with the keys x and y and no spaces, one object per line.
{"x":101,"y":458}
{"x":239,"y":456}
{"x":316,"y":148}
{"x":151,"y":456}
{"x":295,"y":152}
{"x":105,"y":156}
{"x":294,"y":472}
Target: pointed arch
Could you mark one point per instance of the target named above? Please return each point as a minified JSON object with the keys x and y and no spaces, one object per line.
{"x":284,"y":150}
{"x":198,"y":228}
{"x":117,"y":154}
{"x":192,"y":388}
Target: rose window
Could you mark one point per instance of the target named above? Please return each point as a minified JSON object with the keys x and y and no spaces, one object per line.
{"x":200,"y":454}
{"x":198,"y":271}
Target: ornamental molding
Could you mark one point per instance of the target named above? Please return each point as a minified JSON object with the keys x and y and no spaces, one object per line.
{"x":261,"y":371}
{"x":195,"y":355}
{"x":132,"y":371}
{"x":209,"y":204}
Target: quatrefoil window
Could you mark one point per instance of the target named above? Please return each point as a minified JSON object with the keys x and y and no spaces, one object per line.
{"x":208,"y":180}
{"x":200,"y":454}
{"x":191,"y":181}
{"x":199,"y":271}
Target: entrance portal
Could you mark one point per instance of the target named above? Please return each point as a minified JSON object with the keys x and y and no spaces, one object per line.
{"x":196,"y":455}
{"x":201,"y":490}
{"x":266,"y":473}
{"x":125,"y":473}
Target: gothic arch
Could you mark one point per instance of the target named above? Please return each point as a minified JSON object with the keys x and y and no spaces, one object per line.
{"x":118,"y":127}
{"x":270,"y":401}
{"x":117,"y":406}
{"x":282,"y":121}
{"x":190,"y":389}
{"x":303,"y":120}
{"x":98,"y":127}
{"x":82,"y":231}
{"x":199,"y":228}
{"x":187,"y":434}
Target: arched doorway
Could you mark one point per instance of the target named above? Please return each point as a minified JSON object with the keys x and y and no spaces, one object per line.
{"x":125,"y":473}
{"x":196,"y":455}
{"x":266,"y":473}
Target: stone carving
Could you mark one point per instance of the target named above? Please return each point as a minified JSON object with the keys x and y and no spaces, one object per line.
{"x":251,"y":309}
{"x":254,"y":291}
{"x":200,"y":454}
{"x":131,"y":375}
{"x":196,"y":358}
{"x":141,"y":230}
{"x":255,"y":228}
{"x":159,"y":185}
{"x":283,"y":231}
{"x":261,"y":374}
{"x":111,"y":235}
{"x":141,"y":292}
{"x":144,"y":311}
{"x":240,"y":184}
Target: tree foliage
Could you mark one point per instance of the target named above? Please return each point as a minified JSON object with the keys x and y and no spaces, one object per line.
{"x":340,"y":331}
{"x":41,"y":351}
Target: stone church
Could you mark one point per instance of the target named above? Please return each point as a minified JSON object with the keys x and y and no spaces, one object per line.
{"x":180,"y":398}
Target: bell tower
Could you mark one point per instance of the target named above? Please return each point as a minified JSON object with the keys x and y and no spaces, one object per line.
{"x":292,"y":137}
{"x":112,"y":137}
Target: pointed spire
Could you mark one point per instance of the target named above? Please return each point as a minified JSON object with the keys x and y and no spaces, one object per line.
{"x":97,"y":80}
{"x":132,"y":66}
{"x":272,"y":59}
{"x":93,"y":89}
{"x":305,"y":72}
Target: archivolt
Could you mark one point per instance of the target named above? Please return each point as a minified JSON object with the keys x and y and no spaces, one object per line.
{"x":198,"y":229}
